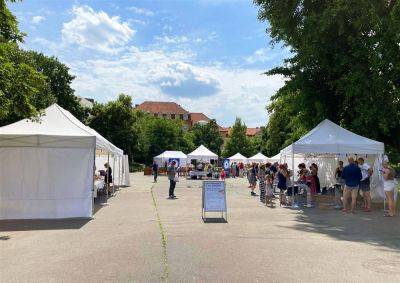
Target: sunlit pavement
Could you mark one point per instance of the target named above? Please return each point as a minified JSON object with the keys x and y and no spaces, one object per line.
{"x":142,"y":236}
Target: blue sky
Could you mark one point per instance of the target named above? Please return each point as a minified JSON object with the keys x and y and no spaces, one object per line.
{"x":207,"y":55}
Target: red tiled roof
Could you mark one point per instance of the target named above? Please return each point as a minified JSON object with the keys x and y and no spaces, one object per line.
{"x":157,"y":107}
{"x":251,"y":132}
{"x":197,"y":117}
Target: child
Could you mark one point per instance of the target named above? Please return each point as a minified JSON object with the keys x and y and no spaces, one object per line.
{"x":222,"y":175}
{"x":269,"y":190}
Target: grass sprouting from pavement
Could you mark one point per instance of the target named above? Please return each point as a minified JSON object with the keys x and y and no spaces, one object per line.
{"x":163,"y":237}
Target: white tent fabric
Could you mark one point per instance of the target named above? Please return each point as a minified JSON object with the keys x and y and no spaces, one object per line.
{"x":275,"y":158}
{"x":49,"y":166}
{"x":328,"y":137}
{"x":238,"y":157}
{"x":328,"y":143}
{"x":258,"y":158}
{"x":168,"y":154}
{"x":126,"y":181}
{"x":202,"y":154}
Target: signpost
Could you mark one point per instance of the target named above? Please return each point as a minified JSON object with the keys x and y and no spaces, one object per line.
{"x":214,"y":198}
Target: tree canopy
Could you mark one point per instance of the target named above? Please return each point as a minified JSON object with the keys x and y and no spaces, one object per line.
{"x":238,"y":140}
{"x":208,"y":135}
{"x":345,"y":67}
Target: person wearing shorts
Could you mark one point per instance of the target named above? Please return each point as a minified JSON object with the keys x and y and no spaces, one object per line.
{"x":352,"y":176}
{"x":366,"y":173}
{"x":389,"y":186}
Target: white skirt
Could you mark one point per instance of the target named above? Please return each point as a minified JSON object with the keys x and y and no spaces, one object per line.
{"x":389,"y":185}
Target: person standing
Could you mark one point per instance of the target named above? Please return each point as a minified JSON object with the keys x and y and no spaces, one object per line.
{"x":154,"y":167}
{"x":339,"y":187}
{"x":366,"y":173}
{"x":253,"y":179}
{"x":352,"y":176}
{"x":389,"y":185}
{"x":171,"y":172}
{"x":108,"y":179}
{"x":282,"y":183}
{"x":261,"y":184}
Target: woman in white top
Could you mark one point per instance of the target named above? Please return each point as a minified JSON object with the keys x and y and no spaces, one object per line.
{"x":389,"y":185}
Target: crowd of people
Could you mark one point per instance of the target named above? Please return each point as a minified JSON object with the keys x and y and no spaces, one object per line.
{"x":352,"y":182}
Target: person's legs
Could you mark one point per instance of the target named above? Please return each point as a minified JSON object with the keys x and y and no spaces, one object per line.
{"x":354,"y":194}
{"x":171,"y":189}
{"x":337,"y":196}
{"x":367,"y":200}
{"x":345,"y":199}
{"x":390,"y":198}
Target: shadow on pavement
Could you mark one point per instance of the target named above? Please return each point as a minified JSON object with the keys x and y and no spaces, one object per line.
{"x":215,"y":220}
{"x":370,"y":228}
{"x":50,"y":224}
{"x":42,"y":224}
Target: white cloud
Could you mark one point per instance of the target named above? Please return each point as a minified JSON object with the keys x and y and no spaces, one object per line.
{"x":260,"y":55}
{"x":96,"y":30}
{"x":172,"y":39}
{"x":141,"y":11}
{"x":216,"y":90}
{"x":37,"y":19}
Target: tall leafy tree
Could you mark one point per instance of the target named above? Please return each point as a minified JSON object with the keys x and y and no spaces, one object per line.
{"x":9,"y":31}
{"x":208,"y":135}
{"x":238,"y":140}
{"x":59,"y":80}
{"x":345,"y":67}
{"x":116,"y":121}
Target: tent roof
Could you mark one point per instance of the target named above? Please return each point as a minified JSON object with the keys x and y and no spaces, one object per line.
{"x":238,"y":156}
{"x":171,"y":154}
{"x":56,"y":128}
{"x":328,"y":137}
{"x":202,"y":151}
{"x":275,"y":158}
{"x":258,"y":157}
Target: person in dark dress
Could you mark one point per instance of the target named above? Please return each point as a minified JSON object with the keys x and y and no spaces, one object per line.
{"x":155,"y":171}
{"x":282,"y":183}
{"x":108,"y":179}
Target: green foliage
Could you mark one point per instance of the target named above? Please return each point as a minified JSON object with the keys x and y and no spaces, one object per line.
{"x":238,"y":141}
{"x":23,"y":90}
{"x":60,"y":81}
{"x":345,"y":67}
{"x":9,"y":31}
{"x":116,"y":121}
{"x":208,"y":135}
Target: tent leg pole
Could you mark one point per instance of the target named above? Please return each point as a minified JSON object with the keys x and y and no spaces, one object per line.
{"x":113,"y":186}
{"x":94,"y":189}
{"x":293,"y":197}
{"x":108,"y":184}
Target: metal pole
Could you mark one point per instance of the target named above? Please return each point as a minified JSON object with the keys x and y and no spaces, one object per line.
{"x":108,"y":183}
{"x":113,"y":172}
{"x":93,"y":179}
{"x":293,"y":202}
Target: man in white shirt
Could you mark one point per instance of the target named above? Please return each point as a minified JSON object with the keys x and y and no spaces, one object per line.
{"x":366,"y":172}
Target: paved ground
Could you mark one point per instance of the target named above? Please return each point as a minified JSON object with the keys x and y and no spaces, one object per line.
{"x":143,"y":237}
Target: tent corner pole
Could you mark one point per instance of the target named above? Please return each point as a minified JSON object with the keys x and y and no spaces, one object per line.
{"x":108,"y":183}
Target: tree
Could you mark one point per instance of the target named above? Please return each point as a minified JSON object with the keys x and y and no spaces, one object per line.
{"x":9,"y":31}
{"x":116,"y":121}
{"x":23,"y":90}
{"x":60,"y":81}
{"x":345,"y":67}
{"x":208,"y":135}
{"x":238,"y":140}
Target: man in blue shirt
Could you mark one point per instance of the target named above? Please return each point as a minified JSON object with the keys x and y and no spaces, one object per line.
{"x":155,"y":171}
{"x":352,"y":176}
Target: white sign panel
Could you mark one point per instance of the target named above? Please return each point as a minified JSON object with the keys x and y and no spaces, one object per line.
{"x":214,"y":196}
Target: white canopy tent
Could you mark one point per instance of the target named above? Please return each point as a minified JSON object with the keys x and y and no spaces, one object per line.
{"x":49,"y":166}
{"x":328,"y":143}
{"x":258,"y":158}
{"x":201,"y":154}
{"x":167,"y":155}
{"x":275,"y":158}
{"x":237,"y":158}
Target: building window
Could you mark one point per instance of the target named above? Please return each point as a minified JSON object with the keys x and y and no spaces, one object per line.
{"x":185,"y":117}
{"x":181,"y":116}
{"x":164,"y":115}
{"x":172,"y":116}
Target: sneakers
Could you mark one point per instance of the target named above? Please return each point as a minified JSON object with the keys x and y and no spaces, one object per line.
{"x":253,"y":194}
